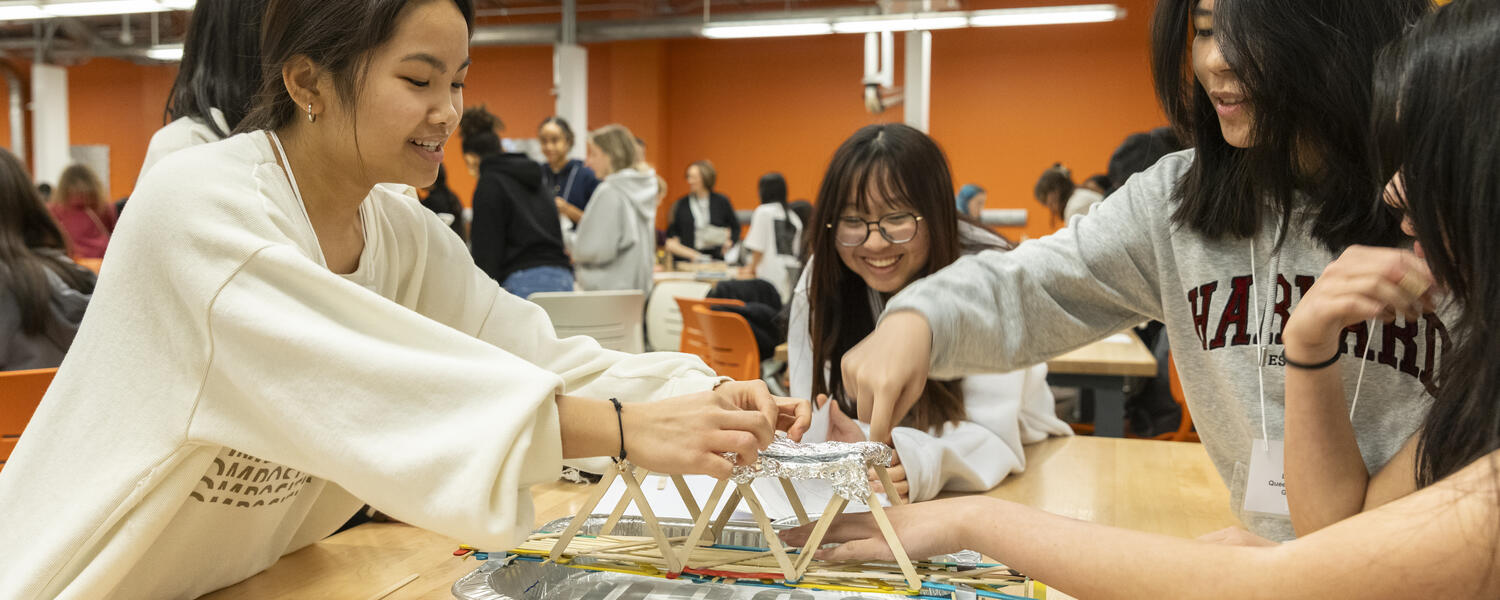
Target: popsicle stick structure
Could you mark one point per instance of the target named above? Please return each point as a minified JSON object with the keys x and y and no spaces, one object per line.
{"x":844,"y":465}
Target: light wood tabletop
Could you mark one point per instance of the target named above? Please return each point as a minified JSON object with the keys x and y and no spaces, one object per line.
{"x":1162,"y":487}
{"x":1119,"y":354}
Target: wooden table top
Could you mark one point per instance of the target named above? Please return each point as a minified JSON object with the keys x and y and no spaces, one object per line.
{"x":1161,"y":487}
{"x":1120,"y":354}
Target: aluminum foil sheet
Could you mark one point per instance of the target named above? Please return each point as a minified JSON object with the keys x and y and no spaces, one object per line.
{"x":842,"y":464}
{"x":510,"y":579}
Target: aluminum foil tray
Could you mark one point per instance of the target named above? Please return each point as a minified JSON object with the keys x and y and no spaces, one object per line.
{"x":507,"y":579}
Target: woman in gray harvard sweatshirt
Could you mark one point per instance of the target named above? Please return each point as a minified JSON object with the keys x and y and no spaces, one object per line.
{"x":1218,"y":242}
{"x":616,"y":240}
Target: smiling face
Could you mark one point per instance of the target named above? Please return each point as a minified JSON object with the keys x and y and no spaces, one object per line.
{"x":1218,"y":81}
{"x":411,"y":99}
{"x":885,"y":267}
{"x":554,"y":143}
{"x":597,"y":160}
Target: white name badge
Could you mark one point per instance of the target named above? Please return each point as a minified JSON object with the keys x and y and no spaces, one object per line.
{"x":1265,"y":489}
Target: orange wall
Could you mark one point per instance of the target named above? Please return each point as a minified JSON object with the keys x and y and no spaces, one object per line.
{"x":118,"y":104}
{"x":5,"y":114}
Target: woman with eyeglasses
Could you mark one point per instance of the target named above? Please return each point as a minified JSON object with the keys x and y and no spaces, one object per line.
{"x":885,"y":217}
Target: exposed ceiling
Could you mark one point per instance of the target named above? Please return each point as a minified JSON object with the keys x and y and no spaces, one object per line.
{"x":70,"y":39}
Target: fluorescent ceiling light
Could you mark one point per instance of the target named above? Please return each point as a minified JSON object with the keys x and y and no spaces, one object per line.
{"x":766,"y":30}
{"x":21,"y":12}
{"x":165,"y":52}
{"x":1092,"y":13}
{"x":102,"y":7}
{"x":900,"y":24}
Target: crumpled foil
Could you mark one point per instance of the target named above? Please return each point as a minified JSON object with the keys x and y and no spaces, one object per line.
{"x":843,"y":464}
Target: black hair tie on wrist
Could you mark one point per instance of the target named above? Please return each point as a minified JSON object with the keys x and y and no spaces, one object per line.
{"x":1309,"y":366}
{"x":619,"y":420}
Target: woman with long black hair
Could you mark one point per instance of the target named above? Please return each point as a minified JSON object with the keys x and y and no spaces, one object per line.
{"x":1425,"y":525}
{"x":1219,"y":243}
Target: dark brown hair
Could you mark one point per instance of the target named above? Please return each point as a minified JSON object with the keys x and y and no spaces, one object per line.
{"x":25,"y":228}
{"x":220,"y":63}
{"x":1306,"y":69}
{"x":337,"y":35}
{"x":1056,"y":179}
{"x":910,"y":172}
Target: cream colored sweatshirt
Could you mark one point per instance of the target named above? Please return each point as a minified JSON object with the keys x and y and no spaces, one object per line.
{"x":228,"y":399}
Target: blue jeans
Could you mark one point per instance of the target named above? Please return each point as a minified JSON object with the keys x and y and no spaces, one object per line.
{"x":526,"y":282}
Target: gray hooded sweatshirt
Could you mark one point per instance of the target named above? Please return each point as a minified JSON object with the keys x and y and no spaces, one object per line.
{"x":1125,"y":262}
{"x":616,"y":241}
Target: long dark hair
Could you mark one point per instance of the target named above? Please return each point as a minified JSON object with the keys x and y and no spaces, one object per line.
{"x":25,"y":228}
{"x":1054,"y":188}
{"x":910,"y":172}
{"x":477,"y":130}
{"x":338,"y":35}
{"x":1306,"y":69}
{"x":1447,"y":146}
{"x":220,"y":63}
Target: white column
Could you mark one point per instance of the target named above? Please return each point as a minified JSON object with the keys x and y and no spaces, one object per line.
{"x":918,"y":85}
{"x":49,"y":122}
{"x":570,"y":82}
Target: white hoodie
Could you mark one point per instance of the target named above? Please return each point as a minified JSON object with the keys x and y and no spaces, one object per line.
{"x":616,"y":244}
{"x":226,"y":389}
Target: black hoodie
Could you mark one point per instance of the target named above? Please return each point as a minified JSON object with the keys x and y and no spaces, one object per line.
{"x":515,"y":218}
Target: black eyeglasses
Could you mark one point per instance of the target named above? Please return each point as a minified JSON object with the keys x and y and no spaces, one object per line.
{"x":898,"y":228}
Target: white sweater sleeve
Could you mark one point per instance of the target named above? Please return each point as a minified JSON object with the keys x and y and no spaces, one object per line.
{"x":441,"y":426}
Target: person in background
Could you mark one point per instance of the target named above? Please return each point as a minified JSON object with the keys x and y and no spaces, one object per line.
{"x":84,"y":212}
{"x":516,"y":240}
{"x":572,"y":182}
{"x":1053,"y":190}
{"x":1138,"y":152}
{"x":1085,"y":196}
{"x":42,"y":293}
{"x":889,"y":199}
{"x":970,"y":202}
{"x":645,"y":165}
{"x":775,"y":238}
{"x":441,"y":200}
{"x":44,"y":191}
{"x":702,"y":224}
{"x":216,"y":80}
{"x":616,"y":244}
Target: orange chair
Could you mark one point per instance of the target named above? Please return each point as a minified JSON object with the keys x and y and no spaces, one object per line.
{"x":693,"y":340}
{"x":20,"y":392}
{"x":732,"y":350}
{"x":1184,"y":431}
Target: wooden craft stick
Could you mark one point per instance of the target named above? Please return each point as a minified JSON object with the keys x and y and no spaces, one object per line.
{"x":733,"y":503}
{"x":890,"y":488}
{"x":589,"y":505}
{"x":772,"y":540}
{"x":912,"y":581}
{"x":831,"y":512}
{"x":791,"y":496}
{"x":687,"y":496}
{"x":398,"y":585}
{"x":628,"y":473}
{"x":1412,"y":285}
{"x":700,"y":523}
{"x":633,"y":488}
{"x":627,"y":545}
{"x":729,"y":561}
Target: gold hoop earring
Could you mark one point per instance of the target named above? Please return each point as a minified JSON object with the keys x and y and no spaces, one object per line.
{"x":311,"y":118}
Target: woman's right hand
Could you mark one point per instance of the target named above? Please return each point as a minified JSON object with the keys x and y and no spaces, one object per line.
{"x":886,"y":372}
{"x":689,"y":434}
